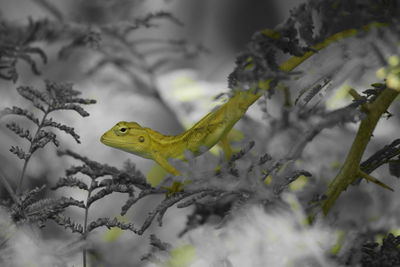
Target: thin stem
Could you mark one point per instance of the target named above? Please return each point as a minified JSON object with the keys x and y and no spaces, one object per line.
{"x":372,"y":179}
{"x":85,"y":222}
{"x":351,"y":168}
{"x":21,"y":179}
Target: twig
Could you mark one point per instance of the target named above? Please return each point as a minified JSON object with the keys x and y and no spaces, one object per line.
{"x":350,"y":170}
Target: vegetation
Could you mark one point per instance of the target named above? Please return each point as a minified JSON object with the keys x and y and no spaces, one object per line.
{"x":282,"y":175}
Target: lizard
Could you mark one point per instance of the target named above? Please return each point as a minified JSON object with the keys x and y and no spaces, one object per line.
{"x":212,"y":128}
{"x":207,"y":132}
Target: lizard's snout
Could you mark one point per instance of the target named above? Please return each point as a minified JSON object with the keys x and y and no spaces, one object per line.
{"x":102,"y":138}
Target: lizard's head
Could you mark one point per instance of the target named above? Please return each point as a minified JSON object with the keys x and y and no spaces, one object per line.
{"x":130,"y":137}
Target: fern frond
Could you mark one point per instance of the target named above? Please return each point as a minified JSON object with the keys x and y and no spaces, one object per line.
{"x":21,"y":112}
{"x":42,"y":139}
{"x":107,"y":222}
{"x":19,"y":131}
{"x":70,"y":181}
{"x":68,"y":223}
{"x":37,"y":98}
{"x":62,"y":127}
{"x":119,"y":188}
{"x":65,"y":202}
{"x":20,"y":153}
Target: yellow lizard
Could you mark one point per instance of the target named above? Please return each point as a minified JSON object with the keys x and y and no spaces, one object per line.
{"x":211,"y":129}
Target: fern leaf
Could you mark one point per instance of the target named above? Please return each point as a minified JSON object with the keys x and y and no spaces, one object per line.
{"x":70,"y":181}
{"x":28,"y":59}
{"x":63,"y":96}
{"x":68,"y":223}
{"x":21,"y":112}
{"x":19,"y":152}
{"x":19,"y":131}
{"x":121,"y":188}
{"x":107,"y":222}
{"x":42,"y":139}
{"x":27,"y":198}
{"x":33,"y":95}
{"x":77,"y":108}
{"x":62,"y":127}
{"x":65,"y":202}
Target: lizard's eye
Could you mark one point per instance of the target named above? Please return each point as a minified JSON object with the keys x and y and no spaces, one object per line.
{"x":141,"y":139}
{"x":122,"y":130}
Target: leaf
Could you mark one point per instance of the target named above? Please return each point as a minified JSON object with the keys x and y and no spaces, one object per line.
{"x":13,"y":49}
{"x":42,"y":139}
{"x":28,"y":59}
{"x":107,"y":222}
{"x":121,"y":188}
{"x":19,"y":111}
{"x":65,"y":202}
{"x":20,"y":153}
{"x":63,"y":96}
{"x":19,"y":131}
{"x":77,"y":108}
{"x":242,"y":152}
{"x":114,"y":233}
{"x":278,"y":189}
{"x":68,"y":223}
{"x":29,"y":197}
{"x":70,"y":181}
{"x":62,"y":127}
{"x":40,"y":211}
{"x":33,"y":95}
{"x":8,"y":70}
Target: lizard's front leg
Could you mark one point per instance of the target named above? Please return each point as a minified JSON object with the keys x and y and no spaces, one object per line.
{"x":226,"y":147}
{"x":165,"y":164}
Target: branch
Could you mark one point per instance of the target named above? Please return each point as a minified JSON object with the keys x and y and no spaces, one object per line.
{"x":351,"y":168}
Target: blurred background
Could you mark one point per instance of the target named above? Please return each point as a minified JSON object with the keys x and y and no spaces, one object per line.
{"x":184,"y":93}
{"x":166,"y":81}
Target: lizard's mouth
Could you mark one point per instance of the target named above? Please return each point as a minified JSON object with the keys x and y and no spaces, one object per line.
{"x":107,"y":141}
{"x":111,"y":142}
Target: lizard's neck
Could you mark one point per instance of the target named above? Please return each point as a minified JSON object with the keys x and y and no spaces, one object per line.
{"x":170,"y":146}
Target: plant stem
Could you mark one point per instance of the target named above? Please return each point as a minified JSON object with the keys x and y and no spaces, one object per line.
{"x":21,"y":179}
{"x":351,"y":168}
{"x":84,"y":252}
